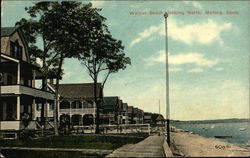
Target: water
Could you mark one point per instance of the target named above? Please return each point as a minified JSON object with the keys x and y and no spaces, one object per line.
{"x":239,"y":136}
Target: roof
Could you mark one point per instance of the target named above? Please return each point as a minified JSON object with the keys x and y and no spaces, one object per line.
{"x":120,"y":104}
{"x":79,"y":91}
{"x":160,"y":118}
{"x":130,"y":109}
{"x":7,"y":31}
{"x":136,"y":110}
{"x":110,"y":102}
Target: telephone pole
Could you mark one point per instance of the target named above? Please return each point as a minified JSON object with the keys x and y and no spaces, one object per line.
{"x":167,"y":126}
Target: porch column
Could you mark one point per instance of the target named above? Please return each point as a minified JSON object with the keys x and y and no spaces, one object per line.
{"x":47,"y":110}
{"x":34,"y":110}
{"x":70,"y":103}
{"x":18,"y":108}
{"x":34,"y":79}
{"x":18,"y":73}
{"x":93,"y":118}
{"x":82,"y":106}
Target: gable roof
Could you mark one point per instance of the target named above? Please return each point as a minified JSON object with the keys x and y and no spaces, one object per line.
{"x":79,"y":91}
{"x":110,"y":102}
{"x":160,"y":118}
{"x":7,"y":31}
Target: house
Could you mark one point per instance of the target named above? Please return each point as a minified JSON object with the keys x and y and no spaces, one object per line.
{"x":77,"y":103}
{"x":160,"y":120}
{"x":131,"y":114}
{"x":110,"y":110}
{"x":140,"y":116}
{"x":147,"y":118}
{"x":120,"y":111}
{"x":19,"y":95}
{"x":125,"y":113}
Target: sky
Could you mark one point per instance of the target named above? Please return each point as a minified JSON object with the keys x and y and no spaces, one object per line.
{"x":208,"y":55}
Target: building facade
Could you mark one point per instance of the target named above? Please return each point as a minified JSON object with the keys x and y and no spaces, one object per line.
{"x":77,"y":103}
{"x":19,"y":96}
{"x":110,"y":110}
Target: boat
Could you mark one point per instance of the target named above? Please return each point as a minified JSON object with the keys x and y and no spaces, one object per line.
{"x":224,"y":137}
{"x":242,"y":129}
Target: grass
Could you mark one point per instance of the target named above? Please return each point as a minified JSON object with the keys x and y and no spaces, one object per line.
{"x":46,"y":154}
{"x":106,"y":142}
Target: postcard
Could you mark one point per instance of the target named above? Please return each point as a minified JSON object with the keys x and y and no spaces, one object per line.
{"x":121,"y":78}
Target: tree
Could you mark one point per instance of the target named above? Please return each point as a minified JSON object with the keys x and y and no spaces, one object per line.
{"x":34,"y":28}
{"x":69,"y":24}
{"x":103,"y":54}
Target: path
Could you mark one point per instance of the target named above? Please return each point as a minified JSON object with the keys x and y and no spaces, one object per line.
{"x":150,"y":147}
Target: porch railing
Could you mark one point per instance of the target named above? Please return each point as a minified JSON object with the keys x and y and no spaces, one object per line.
{"x":78,"y":111}
{"x":16,"y":125}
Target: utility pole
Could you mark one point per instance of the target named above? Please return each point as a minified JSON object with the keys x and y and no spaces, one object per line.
{"x":159,"y":106}
{"x":167,"y":126}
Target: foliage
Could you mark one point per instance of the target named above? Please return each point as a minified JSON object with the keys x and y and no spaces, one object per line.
{"x":27,"y":135}
{"x":102,"y":53}
{"x":25,"y":120}
{"x":64,"y":28}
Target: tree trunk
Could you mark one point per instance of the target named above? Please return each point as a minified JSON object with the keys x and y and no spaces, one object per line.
{"x":55,"y":112}
{"x":43,"y":104}
{"x":97,"y":130}
{"x":57,"y":97}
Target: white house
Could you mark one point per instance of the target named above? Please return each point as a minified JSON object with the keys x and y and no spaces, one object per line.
{"x":17,"y":83}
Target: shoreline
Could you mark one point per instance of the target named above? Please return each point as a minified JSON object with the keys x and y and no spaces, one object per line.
{"x":185,"y":143}
{"x":243,"y":145}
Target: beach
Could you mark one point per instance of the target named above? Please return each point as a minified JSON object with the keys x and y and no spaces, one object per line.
{"x":192,"y":145}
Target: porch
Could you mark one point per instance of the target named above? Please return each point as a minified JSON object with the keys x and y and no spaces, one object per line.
{"x":14,"y":107}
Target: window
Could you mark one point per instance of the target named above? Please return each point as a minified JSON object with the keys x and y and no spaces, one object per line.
{"x":16,"y":50}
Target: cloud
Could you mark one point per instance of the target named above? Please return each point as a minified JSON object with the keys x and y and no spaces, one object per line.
{"x":135,"y":6}
{"x":145,"y":34}
{"x":194,"y":4}
{"x":39,"y":61}
{"x":182,"y":58}
{"x":219,"y":69}
{"x":196,"y":70}
{"x":205,"y":32}
{"x":222,"y":99}
{"x":97,"y":3}
{"x":174,"y":69}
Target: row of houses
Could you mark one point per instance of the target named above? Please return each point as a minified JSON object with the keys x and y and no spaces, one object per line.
{"x":20,"y":96}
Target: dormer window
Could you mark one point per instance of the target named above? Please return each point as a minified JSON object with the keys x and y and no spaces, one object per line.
{"x":16,"y":50}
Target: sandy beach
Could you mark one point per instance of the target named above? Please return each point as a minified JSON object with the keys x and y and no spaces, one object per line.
{"x":192,"y":145}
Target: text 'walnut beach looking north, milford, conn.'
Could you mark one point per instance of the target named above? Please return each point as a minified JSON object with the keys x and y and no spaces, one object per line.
{"x":227,"y":12}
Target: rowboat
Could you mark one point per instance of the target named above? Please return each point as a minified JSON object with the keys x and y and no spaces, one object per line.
{"x":224,"y":137}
